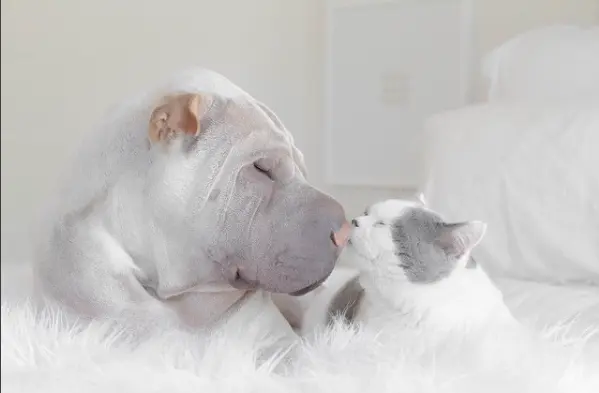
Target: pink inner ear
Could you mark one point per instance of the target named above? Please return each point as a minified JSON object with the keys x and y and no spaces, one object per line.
{"x":450,"y":243}
{"x":185,"y":113}
{"x":178,"y":114}
{"x":458,"y":239}
{"x":187,"y":122}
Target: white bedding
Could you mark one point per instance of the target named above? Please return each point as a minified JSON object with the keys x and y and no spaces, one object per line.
{"x":531,"y":171}
{"x":553,"y":63}
{"x":526,"y":161}
{"x":542,"y":305}
{"x":41,"y":352}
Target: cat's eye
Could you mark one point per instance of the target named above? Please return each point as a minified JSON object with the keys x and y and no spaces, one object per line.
{"x":379,"y":224}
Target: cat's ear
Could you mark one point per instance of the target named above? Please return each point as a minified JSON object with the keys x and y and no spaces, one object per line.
{"x":458,"y":239}
{"x":420,"y":198}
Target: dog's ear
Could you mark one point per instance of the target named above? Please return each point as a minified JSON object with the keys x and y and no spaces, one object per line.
{"x":178,"y":114}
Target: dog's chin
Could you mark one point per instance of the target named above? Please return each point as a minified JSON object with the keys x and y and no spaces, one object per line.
{"x":309,"y":288}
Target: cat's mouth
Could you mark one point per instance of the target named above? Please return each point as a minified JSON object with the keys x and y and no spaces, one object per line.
{"x":358,"y":248}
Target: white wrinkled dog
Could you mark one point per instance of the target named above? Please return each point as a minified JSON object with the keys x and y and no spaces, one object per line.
{"x":187,"y":206}
{"x":414,"y":270}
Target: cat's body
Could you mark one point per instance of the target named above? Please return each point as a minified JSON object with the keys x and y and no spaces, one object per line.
{"x":416,"y":270}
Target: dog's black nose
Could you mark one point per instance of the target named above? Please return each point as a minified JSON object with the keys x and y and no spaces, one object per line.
{"x":354,"y":222}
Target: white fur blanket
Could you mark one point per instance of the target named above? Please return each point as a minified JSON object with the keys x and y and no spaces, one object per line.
{"x":41,"y":352}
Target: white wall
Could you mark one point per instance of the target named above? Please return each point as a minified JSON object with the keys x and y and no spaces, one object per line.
{"x":65,"y":61}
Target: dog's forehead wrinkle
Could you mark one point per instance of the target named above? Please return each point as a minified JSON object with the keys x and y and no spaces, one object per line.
{"x":234,"y":114}
{"x":240,"y":122}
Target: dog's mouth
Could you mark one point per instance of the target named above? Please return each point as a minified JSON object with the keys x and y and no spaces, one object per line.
{"x":237,"y":281}
{"x":309,"y":288}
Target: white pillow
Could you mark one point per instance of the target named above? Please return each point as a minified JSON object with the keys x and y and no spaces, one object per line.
{"x":551,"y":63}
{"x":532,"y":172}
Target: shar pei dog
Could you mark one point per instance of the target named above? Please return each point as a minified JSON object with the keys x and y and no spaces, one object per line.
{"x":188,"y":205}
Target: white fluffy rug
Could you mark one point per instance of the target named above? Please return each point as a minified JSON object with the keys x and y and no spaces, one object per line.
{"x":41,"y":352}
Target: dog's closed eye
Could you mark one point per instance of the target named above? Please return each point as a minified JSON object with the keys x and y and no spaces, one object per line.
{"x":260,"y":168}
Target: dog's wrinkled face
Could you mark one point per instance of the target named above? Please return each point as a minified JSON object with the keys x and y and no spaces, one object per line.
{"x":405,"y":240}
{"x":235,"y":202}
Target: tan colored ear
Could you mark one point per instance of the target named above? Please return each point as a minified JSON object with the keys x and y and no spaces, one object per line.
{"x":178,"y":114}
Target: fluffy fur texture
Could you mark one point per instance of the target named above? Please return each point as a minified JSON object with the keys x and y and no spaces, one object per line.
{"x":43,"y":352}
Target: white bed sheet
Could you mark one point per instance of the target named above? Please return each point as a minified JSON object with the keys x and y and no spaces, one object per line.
{"x":531,"y":171}
{"x":544,"y":306}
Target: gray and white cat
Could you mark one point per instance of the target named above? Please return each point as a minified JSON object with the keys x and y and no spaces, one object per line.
{"x":415,"y":267}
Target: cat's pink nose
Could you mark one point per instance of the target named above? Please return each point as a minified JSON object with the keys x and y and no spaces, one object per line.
{"x":340,"y":237}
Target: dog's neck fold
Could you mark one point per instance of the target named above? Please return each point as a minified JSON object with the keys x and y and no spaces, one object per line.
{"x":206,"y":306}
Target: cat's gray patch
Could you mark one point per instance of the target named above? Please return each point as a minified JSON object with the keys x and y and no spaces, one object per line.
{"x":414,"y":234}
{"x":346,"y":302}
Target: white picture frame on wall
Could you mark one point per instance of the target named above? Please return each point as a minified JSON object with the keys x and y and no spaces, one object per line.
{"x":390,"y":64}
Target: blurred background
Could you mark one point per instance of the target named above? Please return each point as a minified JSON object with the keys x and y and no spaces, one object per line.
{"x":65,"y":62}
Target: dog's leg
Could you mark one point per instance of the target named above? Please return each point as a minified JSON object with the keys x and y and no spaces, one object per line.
{"x":291,"y":308}
{"x":85,"y":269}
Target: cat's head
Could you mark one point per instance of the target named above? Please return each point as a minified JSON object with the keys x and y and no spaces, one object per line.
{"x":400,"y":237}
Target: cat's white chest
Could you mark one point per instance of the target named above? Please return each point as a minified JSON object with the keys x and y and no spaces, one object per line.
{"x":465,"y":300}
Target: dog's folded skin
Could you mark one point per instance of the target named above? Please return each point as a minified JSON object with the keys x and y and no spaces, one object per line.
{"x":183,"y":204}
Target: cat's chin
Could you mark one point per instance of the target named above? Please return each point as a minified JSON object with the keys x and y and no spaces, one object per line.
{"x":354,"y":257}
